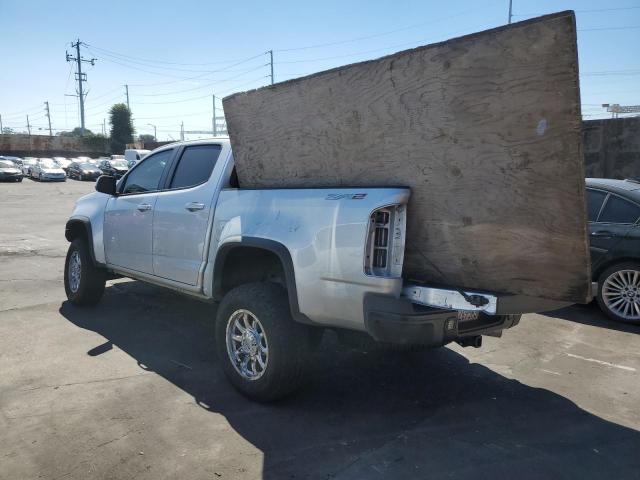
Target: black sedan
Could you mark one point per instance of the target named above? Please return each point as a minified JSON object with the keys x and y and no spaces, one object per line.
{"x":83,"y":171}
{"x":115,"y":168}
{"x":614,"y":232}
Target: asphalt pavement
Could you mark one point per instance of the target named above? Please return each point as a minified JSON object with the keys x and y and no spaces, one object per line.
{"x":132,"y":388}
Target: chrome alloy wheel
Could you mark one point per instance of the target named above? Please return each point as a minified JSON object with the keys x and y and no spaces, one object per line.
{"x":75,"y":269}
{"x":621,"y":294}
{"x":247,"y":344}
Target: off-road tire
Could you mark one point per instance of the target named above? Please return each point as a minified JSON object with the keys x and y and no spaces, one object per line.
{"x":92,"y":278}
{"x":288,"y":341}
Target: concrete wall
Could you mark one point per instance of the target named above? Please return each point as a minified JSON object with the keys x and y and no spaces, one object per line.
{"x":46,"y":146}
{"x":612,"y":147}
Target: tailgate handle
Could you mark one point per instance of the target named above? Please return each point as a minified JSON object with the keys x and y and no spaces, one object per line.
{"x":193,"y":206}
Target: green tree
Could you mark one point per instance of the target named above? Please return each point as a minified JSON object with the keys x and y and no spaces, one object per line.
{"x":145,"y":137}
{"x":121,"y":127}
{"x":76,"y":132}
{"x":96,"y":143}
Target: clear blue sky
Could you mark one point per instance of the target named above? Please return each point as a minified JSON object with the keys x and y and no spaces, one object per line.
{"x":173,"y":42}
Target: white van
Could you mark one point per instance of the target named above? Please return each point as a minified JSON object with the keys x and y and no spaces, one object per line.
{"x":133,"y":156}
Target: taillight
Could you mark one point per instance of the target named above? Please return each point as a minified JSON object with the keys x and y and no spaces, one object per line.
{"x":384,"y":251}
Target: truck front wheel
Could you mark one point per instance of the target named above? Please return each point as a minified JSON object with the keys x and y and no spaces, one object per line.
{"x":83,"y":281}
{"x":261,"y":348}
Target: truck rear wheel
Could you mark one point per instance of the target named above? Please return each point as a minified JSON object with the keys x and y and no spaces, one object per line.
{"x":261,"y":348}
{"x":83,"y":281}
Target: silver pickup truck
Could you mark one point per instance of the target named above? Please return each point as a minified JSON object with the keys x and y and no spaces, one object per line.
{"x":284,"y":264}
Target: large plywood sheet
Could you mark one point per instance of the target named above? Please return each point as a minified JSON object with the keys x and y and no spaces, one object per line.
{"x":485,"y":129}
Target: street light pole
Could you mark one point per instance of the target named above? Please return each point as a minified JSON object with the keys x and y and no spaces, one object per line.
{"x":155,"y":132}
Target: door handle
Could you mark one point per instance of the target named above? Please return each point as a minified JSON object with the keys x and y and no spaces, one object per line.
{"x":143,"y":207}
{"x":602,"y":233}
{"x":194,"y":206}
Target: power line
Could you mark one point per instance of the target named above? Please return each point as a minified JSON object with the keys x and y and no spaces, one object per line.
{"x":22,"y":112}
{"x":199,"y":87}
{"x":178,"y":77}
{"x":594,"y":29}
{"x":381,"y":49}
{"x":389,"y":32}
{"x":593,"y":10}
{"x":149,"y":65}
{"x":612,"y":72}
{"x":219,"y":62}
{"x":188,"y":99}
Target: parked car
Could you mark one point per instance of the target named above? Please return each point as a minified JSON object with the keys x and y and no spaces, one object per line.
{"x":614,"y":232}
{"x":83,"y":171}
{"x":16,"y":160}
{"x":9,"y":171}
{"x":27,"y":163}
{"x":133,"y":156}
{"x":115,"y":168}
{"x":93,"y":161}
{"x":47,"y":169}
{"x":63,"y":162}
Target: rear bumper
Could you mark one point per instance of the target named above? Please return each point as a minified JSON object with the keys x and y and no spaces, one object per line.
{"x":90,"y":176}
{"x":398,"y":320}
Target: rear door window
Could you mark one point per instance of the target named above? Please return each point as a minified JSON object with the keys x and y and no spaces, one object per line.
{"x":619,"y":210}
{"x":594,"y":203}
{"x":195,"y":165}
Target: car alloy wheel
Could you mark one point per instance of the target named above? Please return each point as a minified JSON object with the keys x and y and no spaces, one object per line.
{"x":75,"y":271}
{"x":621,"y":294}
{"x":247,"y":345}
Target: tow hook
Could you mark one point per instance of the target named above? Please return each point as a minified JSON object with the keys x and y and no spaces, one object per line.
{"x":475,"y":341}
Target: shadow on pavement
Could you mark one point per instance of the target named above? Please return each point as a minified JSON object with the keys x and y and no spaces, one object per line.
{"x":369,"y":415}
{"x":592,"y":315}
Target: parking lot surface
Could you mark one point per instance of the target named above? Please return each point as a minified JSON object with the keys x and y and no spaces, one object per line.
{"x":132,"y":389}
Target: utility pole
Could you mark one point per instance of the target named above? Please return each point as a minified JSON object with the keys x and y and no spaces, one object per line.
{"x":213,"y":121}
{"x":510,"y":10}
{"x":1,"y":129}
{"x":46,"y":107}
{"x":182,"y":131}
{"x":28,"y":126}
{"x":155,"y":131}
{"x":80,"y":77}
{"x":271,"y":63}
{"x":104,"y":127}
{"x":126,"y":87}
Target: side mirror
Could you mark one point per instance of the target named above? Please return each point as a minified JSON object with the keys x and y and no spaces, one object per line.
{"x":106,"y":184}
